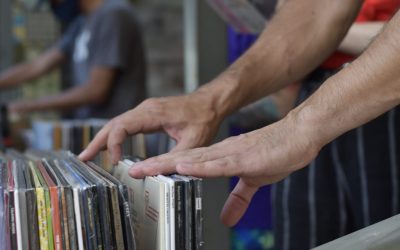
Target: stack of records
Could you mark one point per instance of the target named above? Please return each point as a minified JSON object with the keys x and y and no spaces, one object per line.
{"x":5,"y":133}
{"x":51,"y":200}
{"x":54,"y":201}
{"x":171,"y":215}
{"x":75,"y":135}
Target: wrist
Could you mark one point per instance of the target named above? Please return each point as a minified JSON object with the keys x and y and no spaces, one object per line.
{"x":308,"y":127}
{"x":221,"y":94}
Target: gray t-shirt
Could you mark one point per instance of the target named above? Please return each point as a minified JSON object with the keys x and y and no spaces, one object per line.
{"x":109,"y":37}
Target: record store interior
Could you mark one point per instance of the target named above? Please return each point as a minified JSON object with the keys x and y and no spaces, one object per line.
{"x":141,"y":124}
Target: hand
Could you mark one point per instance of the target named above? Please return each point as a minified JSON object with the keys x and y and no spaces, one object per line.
{"x":189,"y":119}
{"x":259,"y":158}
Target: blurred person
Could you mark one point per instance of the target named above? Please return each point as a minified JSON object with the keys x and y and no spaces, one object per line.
{"x":298,"y":39}
{"x":103,"y":45}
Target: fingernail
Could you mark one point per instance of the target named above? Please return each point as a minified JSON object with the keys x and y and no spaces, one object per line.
{"x":135,"y":173}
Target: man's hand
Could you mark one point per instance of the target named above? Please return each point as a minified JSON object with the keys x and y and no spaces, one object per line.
{"x":259,"y":158}
{"x":275,"y":60}
{"x":190,"y":120}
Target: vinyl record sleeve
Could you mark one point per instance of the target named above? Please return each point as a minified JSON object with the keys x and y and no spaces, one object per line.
{"x":48,"y":208}
{"x":2,"y":208}
{"x":197,"y":205}
{"x":93,"y":206}
{"x":86,"y":135}
{"x":77,"y":200}
{"x":6,"y":206}
{"x":57,"y":136}
{"x":90,"y":205}
{"x":20,"y":205}
{"x":77,"y":135}
{"x":66,"y":135}
{"x":144,"y":197}
{"x":31,"y":207}
{"x":188,"y":193}
{"x":169,"y":210}
{"x":123,"y":199}
{"x":70,"y":229}
{"x":196,"y":190}
{"x":163,"y":226}
{"x":55,"y":207}
{"x":196,"y":186}
{"x":41,"y":206}
{"x":11,"y":207}
{"x":85,"y":203}
{"x":62,"y":203}
{"x":4,"y":236}
{"x":180,"y":228}
{"x":98,"y":208}
{"x":119,"y":213}
{"x":110,"y":196}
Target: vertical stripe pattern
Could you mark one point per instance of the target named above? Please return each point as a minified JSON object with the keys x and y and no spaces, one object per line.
{"x":363,"y":175}
{"x":393,"y":161}
{"x":341,"y":183}
{"x":312,"y":205}
{"x":286,"y":214}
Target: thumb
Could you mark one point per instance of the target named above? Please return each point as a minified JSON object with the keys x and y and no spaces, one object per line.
{"x":237,"y":203}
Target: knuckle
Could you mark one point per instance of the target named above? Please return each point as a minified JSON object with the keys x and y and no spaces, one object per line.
{"x":153,"y":106}
{"x":113,"y":142}
{"x":222,"y":166}
{"x":199,"y":157}
{"x":150,"y":103}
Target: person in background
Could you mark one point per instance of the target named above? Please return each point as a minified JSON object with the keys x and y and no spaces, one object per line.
{"x":104,"y":45}
{"x":298,"y":39}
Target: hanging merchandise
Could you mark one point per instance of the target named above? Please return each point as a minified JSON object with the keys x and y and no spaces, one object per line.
{"x":244,"y":16}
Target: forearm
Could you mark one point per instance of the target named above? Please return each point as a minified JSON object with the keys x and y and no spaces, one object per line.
{"x":359,"y":37}
{"x":17,"y":75}
{"x":298,"y":39}
{"x":95,"y":91}
{"x":70,"y":99}
{"x":357,"y":94}
{"x":29,"y":71}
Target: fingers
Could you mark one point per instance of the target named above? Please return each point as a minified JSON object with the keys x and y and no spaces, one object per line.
{"x":200,"y":162}
{"x":153,"y":166}
{"x":151,"y":170}
{"x":220,"y":167}
{"x":237,"y":203}
{"x":97,"y":144}
{"x":115,"y":140}
{"x":115,"y":131}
